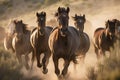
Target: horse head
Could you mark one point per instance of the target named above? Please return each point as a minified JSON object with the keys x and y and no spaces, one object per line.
{"x":79,"y":21}
{"x":20,"y":28}
{"x":41,"y":19}
{"x":62,"y":15}
{"x":110,"y":28}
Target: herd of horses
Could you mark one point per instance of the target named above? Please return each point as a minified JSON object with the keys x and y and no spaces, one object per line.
{"x":63,"y":41}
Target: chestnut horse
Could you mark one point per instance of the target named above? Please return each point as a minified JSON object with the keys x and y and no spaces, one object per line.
{"x":104,"y":38}
{"x":21,"y":42}
{"x":79,"y":22}
{"x":39,"y":41}
{"x":63,"y":41}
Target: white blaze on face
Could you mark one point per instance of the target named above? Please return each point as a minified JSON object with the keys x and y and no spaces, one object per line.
{"x":80,"y":21}
{"x":41,"y":19}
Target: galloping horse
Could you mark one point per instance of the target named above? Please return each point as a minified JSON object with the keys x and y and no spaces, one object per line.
{"x":9,"y":36}
{"x":63,"y":41}
{"x":21,"y":42}
{"x":39,"y":41}
{"x":84,"y":39}
{"x":104,"y":38}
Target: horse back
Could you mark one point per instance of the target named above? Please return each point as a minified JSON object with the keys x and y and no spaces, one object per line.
{"x":98,"y":31}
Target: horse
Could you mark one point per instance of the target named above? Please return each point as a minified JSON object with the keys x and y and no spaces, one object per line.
{"x":9,"y":36}
{"x":79,"y":22}
{"x":63,"y":41}
{"x":104,"y":38}
{"x":21,"y":42}
{"x":39,"y":41}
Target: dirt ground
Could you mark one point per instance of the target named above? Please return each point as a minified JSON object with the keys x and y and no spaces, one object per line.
{"x":96,"y":14}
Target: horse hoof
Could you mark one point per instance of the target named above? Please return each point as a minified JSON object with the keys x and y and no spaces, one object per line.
{"x":39,"y":65}
{"x":45,"y":71}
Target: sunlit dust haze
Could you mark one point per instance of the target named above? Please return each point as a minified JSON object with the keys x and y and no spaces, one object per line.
{"x":97,"y":12}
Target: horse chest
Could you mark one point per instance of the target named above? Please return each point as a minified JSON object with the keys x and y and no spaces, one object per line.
{"x":106,"y":43}
{"x":42,"y":43}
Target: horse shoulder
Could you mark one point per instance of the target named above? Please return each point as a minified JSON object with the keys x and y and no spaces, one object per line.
{"x":73,"y":29}
{"x":49,"y":27}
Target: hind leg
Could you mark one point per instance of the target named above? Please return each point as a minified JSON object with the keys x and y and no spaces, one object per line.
{"x":45,"y":61}
{"x":26,"y":61}
{"x":97,"y":52}
{"x":33,"y":58}
{"x":55,"y":60}
{"x":19,"y":57}
{"x":67,"y":62}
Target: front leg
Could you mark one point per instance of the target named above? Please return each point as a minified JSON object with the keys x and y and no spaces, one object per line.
{"x":38,"y":58}
{"x":67,"y":62}
{"x":55,"y":60}
{"x":45,"y":61}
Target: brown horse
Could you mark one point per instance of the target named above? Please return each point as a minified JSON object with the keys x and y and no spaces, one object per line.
{"x":21,"y":42}
{"x":39,"y":41}
{"x":104,"y":38}
{"x":9,"y":36}
{"x":84,"y":38}
{"x":63,"y":41}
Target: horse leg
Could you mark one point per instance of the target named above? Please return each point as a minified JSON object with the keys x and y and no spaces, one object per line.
{"x":33,"y":58}
{"x":55,"y":60}
{"x":19,"y":57}
{"x":97,"y":52}
{"x":45,"y":61}
{"x":102,"y":52}
{"x":38,"y":59}
{"x":26,"y":62}
{"x":67,"y":62}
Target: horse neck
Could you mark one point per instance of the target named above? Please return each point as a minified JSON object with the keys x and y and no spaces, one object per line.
{"x":41,"y":26}
{"x":79,"y":28}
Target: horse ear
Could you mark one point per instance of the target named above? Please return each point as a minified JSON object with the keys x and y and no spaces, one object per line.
{"x":68,"y":9}
{"x":14,"y":21}
{"x":59,"y":9}
{"x":107,"y":23}
{"x":44,"y":13}
{"x":37,"y":14}
{"x":75,"y":15}
{"x":21,"y":21}
{"x":84,"y":15}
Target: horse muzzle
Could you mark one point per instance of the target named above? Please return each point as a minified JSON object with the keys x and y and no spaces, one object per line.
{"x":63,"y":32}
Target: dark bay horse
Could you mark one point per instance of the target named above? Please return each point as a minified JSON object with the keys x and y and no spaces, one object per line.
{"x":39,"y":41}
{"x":9,"y":36}
{"x":104,"y":38}
{"x":79,"y":22}
{"x":21,"y":41}
{"x":63,"y":41}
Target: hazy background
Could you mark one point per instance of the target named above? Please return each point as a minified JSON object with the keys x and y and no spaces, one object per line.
{"x":96,"y":12}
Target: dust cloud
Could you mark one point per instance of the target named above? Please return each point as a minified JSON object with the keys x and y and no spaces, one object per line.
{"x":97,"y":12}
